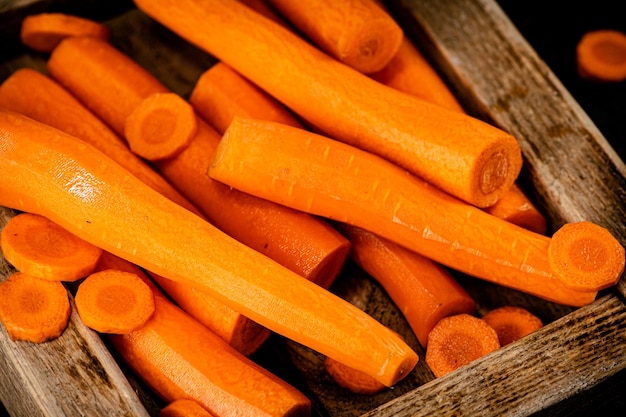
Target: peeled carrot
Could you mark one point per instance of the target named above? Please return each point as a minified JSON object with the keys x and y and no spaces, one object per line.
{"x":515,"y":207}
{"x":118,"y":213}
{"x":321,"y":176}
{"x":43,"y":31}
{"x":41,"y":248}
{"x":423,"y":291}
{"x":33,"y":309}
{"x":39,"y":97}
{"x":184,"y":407}
{"x":161,"y":126}
{"x":302,"y":243}
{"x":358,"y":33}
{"x":460,"y":154}
{"x":511,"y":323}
{"x":601,"y":56}
{"x":351,"y":379}
{"x":458,"y":340}
{"x":114,"y":301}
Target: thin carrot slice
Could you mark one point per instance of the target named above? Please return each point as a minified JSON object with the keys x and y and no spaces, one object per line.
{"x":458,"y":340}
{"x":586,"y":257}
{"x":35,"y":245}
{"x":185,"y":407}
{"x":511,"y":323}
{"x":113,"y":301}
{"x":33,"y":309}
{"x":161,"y":126}
{"x":43,"y":32}
{"x":601,"y":56}
{"x":351,"y":379}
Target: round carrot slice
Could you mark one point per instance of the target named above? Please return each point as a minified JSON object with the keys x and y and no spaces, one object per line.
{"x":601,"y":56}
{"x":512,"y":323}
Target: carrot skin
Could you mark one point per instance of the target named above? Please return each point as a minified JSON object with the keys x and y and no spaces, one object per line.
{"x":97,"y":200}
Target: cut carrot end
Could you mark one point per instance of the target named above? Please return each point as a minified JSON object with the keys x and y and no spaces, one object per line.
{"x":33,"y":309}
{"x":161,"y":127}
{"x":601,"y":56}
{"x":184,"y":407}
{"x":352,"y":379}
{"x":511,"y":323}
{"x":35,"y":245}
{"x":586,"y":257}
{"x":458,"y":340}
{"x":113,"y":301}
{"x":44,"y":31}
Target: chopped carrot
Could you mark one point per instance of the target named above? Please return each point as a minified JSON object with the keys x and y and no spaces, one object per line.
{"x":161,"y":126}
{"x":458,"y":340}
{"x":322,"y":176}
{"x":43,"y":32}
{"x":586,"y":257}
{"x":113,"y":301}
{"x":39,"y":247}
{"x":184,"y":407}
{"x":515,"y":207}
{"x":351,"y":379}
{"x":511,"y":323}
{"x":462,"y":155}
{"x":33,"y":309}
{"x":601,"y":56}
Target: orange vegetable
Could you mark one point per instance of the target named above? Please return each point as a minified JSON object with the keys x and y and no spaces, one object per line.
{"x":328,"y":178}
{"x":41,"y":248}
{"x":424,"y":291}
{"x":33,"y":309}
{"x":115,"y":211}
{"x":43,"y":31}
{"x":161,"y":126}
{"x":184,"y":407}
{"x":351,"y":379}
{"x":601,"y":56}
{"x":512,"y":323}
{"x":460,"y":154}
{"x":302,"y":243}
{"x":39,"y":97}
{"x":358,"y":33}
{"x":458,"y":340}
{"x":114,"y":301}
{"x":515,"y":207}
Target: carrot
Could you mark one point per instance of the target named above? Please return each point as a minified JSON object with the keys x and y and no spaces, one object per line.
{"x":424,"y":291}
{"x":358,"y":33}
{"x":113,"y":301}
{"x":462,"y":155}
{"x":515,"y":207}
{"x":302,"y":243}
{"x":129,"y":219}
{"x":586,"y":256}
{"x":161,"y":126}
{"x":321,"y":176}
{"x":43,"y":31}
{"x":39,"y":97}
{"x":41,"y":248}
{"x":351,"y":379}
{"x":601,"y":56}
{"x":184,"y":407}
{"x":33,"y":309}
{"x":511,"y":323}
{"x":458,"y":340}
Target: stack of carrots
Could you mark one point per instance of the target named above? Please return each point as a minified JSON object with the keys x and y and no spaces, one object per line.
{"x":365,"y":162}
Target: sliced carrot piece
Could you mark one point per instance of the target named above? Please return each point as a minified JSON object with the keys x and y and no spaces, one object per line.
{"x":113,"y":301}
{"x":601,"y":56}
{"x":161,"y":126}
{"x":185,"y":407}
{"x":512,"y":323}
{"x":352,"y":379}
{"x":33,"y":309}
{"x":35,"y":245}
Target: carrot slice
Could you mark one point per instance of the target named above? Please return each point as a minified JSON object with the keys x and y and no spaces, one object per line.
{"x":33,"y":309}
{"x":113,"y":301}
{"x":511,"y":323}
{"x":586,"y":257}
{"x":161,"y":126}
{"x":184,"y":407}
{"x":601,"y":56}
{"x":39,"y":247}
{"x":43,"y":32}
{"x":458,"y":340}
{"x":351,"y":379}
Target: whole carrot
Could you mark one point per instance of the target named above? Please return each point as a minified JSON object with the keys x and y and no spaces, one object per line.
{"x":460,"y":154}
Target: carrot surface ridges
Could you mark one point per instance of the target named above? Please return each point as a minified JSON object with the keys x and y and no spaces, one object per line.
{"x":352,"y":380}
{"x":601,"y":56}
{"x":33,"y":309}
{"x":462,"y":155}
{"x":42,"y":32}
{"x":41,"y":248}
{"x":458,"y":340}
{"x":328,"y":178}
{"x":511,"y":323}
{"x":118,"y":213}
{"x":184,"y":407}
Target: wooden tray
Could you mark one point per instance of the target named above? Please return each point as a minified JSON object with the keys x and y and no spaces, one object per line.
{"x":569,"y":366}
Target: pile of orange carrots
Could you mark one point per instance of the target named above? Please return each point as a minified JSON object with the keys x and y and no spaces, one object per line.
{"x":296,"y":151}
